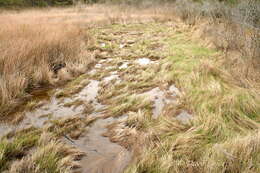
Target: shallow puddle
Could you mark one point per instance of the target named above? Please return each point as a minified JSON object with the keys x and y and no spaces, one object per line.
{"x":143,"y":61}
{"x":57,"y":108}
{"x":5,"y":129}
{"x":158,"y":97}
{"x":90,"y":92}
{"x":102,"y":155}
{"x":111,"y":77}
{"x":175,"y":91}
{"x":184,"y":117}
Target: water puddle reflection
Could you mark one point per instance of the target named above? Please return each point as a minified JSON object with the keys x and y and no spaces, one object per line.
{"x":102,"y":155}
{"x":144,"y":61}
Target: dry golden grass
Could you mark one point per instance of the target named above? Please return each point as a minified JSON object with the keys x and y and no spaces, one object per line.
{"x":50,"y":156}
{"x":31,"y":48}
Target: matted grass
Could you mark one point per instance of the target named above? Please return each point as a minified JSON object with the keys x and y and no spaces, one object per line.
{"x":224,"y":133}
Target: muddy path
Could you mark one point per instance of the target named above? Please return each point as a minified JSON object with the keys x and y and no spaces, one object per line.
{"x":127,"y":78}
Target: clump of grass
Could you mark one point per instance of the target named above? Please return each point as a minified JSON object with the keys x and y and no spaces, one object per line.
{"x":50,"y":156}
{"x":139,"y":120}
{"x":73,"y":87}
{"x":240,"y":153}
{"x":17,"y":147}
{"x":132,"y":131}
{"x":125,"y":103}
{"x":74,"y":103}
{"x":73,"y":126}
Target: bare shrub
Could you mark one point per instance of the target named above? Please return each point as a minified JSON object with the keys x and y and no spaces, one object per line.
{"x":239,"y":31}
{"x":188,"y":12}
{"x":232,"y":28}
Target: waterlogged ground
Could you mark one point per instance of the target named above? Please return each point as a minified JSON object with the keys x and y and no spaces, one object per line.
{"x":99,"y":112}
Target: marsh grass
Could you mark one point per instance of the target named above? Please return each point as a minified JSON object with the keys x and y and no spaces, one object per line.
{"x":50,"y":156}
{"x":224,"y":112}
{"x":37,"y":54}
{"x":222,"y":96}
{"x":73,"y":87}
{"x":225,"y":107}
{"x":125,"y":103}
{"x":17,"y":147}
{"x":73,"y":127}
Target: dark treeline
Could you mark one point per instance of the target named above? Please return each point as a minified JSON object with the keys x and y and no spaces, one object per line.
{"x":34,"y":3}
{"x":43,"y":3}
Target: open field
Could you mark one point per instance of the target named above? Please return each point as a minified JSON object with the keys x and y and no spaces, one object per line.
{"x":115,"y":88}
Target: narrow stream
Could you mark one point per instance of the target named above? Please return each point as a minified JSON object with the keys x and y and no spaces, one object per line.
{"x":102,"y":155}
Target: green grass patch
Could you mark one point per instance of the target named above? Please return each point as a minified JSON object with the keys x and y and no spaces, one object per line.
{"x":12,"y":149}
{"x":223,"y":111}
